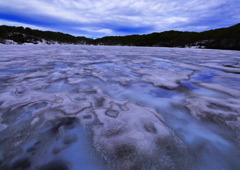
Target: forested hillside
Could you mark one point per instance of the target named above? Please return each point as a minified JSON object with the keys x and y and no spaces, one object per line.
{"x":27,"y":35}
{"x":223,"y":38}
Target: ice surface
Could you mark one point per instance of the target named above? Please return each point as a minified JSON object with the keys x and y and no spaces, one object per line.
{"x":99,"y":107}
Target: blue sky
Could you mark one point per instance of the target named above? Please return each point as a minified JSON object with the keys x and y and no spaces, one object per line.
{"x":98,"y":18}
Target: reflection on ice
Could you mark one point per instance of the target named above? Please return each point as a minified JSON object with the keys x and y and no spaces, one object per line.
{"x":100,"y":65}
{"x":189,"y":85}
{"x":57,"y":87}
{"x":203,"y":77}
{"x":78,"y":152}
{"x":60,"y":65}
{"x":62,"y":86}
{"x":85,"y":107}
{"x":163,"y":64}
{"x":9,"y":71}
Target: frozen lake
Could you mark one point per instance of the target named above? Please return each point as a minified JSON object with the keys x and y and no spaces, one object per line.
{"x":119,"y":108}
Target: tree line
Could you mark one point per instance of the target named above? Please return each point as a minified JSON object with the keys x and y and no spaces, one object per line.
{"x":223,"y":38}
{"x":27,"y":35}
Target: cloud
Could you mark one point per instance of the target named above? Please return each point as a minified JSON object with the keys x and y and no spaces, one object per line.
{"x":96,"y":18}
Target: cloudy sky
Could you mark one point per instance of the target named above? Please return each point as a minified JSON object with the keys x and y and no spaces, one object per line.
{"x":97,"y":18}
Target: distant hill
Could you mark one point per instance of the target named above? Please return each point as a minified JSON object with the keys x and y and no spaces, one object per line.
{"x":22,"y":35}
{"x":223,"y":38}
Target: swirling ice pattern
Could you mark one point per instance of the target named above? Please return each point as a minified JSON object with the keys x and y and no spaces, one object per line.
{"x":96,"y":107}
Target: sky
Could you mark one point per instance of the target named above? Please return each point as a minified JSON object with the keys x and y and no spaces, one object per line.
{"x":98,"y":18}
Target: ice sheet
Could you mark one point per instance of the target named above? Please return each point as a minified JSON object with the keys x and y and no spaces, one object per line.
{"x":99,"y":107}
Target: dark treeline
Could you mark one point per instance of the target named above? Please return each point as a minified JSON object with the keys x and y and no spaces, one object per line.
{"x":28,"y":35}
{"x":223,"y":38}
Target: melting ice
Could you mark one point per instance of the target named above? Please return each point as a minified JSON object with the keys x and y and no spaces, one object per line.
{"x":99,"y":107}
